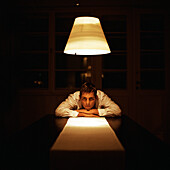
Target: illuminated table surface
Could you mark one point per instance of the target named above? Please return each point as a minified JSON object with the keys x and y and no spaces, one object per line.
{"x":90,"y":142}
{"x":30,"y":148}
{"x":82,"y":134}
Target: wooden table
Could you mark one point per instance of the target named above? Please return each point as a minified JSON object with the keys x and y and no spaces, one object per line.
{"x":87,"y":143}
{"x":30,"y":148}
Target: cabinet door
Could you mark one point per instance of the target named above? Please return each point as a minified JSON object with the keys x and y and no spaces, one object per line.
{"x":149,"y":94}
{"x":69,"y":69}
{"x":115,"y":64}
{"x":116,"y":68}
{"x":33,"y":50}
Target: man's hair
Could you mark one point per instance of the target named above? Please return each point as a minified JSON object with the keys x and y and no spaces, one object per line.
{"x":88,"y":88}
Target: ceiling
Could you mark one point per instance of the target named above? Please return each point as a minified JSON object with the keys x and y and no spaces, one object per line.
{"x":85,"y":3}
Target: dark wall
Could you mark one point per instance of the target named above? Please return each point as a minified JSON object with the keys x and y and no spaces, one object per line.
{"x":9,"y":120}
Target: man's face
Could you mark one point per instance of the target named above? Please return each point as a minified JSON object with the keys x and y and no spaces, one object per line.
{"x":88,"y":100}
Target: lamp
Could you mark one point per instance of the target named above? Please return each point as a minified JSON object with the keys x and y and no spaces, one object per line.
{"x":87,"y":38}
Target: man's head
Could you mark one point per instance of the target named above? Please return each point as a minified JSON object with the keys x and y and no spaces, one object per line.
{"x":88,"y":95}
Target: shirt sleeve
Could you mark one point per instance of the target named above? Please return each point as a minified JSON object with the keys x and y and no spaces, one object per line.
{"x":66,"y":108}
{"x":108,"y":107}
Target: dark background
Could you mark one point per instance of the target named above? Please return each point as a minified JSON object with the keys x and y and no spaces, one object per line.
{"x":10,"y":120}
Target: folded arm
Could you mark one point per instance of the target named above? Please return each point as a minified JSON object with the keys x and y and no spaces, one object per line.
{"x":66,"y":108}
{"x":88,"y":113}
{"x":108,"y":107}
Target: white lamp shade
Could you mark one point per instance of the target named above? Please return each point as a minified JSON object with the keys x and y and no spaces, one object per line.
{"x":87,"y":38}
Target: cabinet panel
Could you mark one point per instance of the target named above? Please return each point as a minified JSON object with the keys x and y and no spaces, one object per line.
{"x":34,"y":79}
{"x":116,"y":41}
{"x":33,"y":44}
{"x":150,"y":112}
{"x":69,"y":69}
{"x":114,"y":80}
{"x":64,"y":61}
{"x":34,"y":61}
{"x":114,"y":65}
{"x":152,"y":80}
{"x":69,"y":79}
{"x":116,"y":60}
{"x":113,"y":23}
{"x":63,"y":24}
{"x":33,"y":22}
{"x":152,"y":58}
{"x":149,"y":95}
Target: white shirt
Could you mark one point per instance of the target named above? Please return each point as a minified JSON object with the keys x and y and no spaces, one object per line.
{"x":105,"y":106}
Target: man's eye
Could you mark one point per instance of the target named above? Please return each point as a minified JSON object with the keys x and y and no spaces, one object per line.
{"x":91,"y":99}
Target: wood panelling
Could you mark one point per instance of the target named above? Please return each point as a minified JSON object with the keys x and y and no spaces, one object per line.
{"x":147,"y":109}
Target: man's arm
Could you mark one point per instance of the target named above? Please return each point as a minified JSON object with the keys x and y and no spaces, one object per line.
{"x":65,"y":109}
{"x":88,"y":113}
{"x":107,"y":107}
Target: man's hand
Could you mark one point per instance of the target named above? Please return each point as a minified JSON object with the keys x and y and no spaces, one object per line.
{"x":88,"y":113}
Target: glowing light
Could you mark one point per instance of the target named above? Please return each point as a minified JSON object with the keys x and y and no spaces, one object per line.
{"x":87,"y":134}
{"x":87,"y":122}
{"x":87,"y":38}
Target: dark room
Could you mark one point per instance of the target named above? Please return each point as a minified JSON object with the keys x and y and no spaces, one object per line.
{"x":68,"y":61}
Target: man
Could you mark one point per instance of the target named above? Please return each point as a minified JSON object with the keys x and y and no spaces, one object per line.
{"x":88,"y":102}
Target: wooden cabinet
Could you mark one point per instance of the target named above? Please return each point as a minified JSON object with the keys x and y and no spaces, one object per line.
{"x":69,"y":69}
{"x":149,"y":92}
{"x":114,"y":65}
{"x":152,"y":51}
{"x":33,"y":58}
{"x":42,"y":41}
{"x":134,"y":74}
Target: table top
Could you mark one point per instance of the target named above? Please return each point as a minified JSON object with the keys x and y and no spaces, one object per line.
{"x":29,"y":149}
